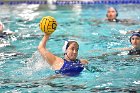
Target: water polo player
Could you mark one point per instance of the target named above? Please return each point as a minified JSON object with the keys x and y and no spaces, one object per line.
{"x":4,"y":34}
{"x":70,"y":65}
{"x":112,"y":15}
{"x":135,"y":41}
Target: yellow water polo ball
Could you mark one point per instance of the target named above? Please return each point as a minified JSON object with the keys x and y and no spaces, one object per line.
{"x":48,"y":24}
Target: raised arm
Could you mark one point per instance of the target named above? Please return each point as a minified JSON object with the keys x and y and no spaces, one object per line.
{"x":51,"y":58}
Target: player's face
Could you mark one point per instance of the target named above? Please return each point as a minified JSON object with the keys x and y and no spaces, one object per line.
{"x":135,"y":41}
{"x":72,"y":51}
{"x":111,"y":14}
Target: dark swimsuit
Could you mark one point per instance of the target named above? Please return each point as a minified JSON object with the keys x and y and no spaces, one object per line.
{"x":115,"y":20}
{"x":3,"y":35}
{"x":134,"y":52}
{"x":70,"y":68}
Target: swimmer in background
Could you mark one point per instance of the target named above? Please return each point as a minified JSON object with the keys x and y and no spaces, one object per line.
{"x":112,"y":15}
{"x":4,"y":34}
{"x":70,"y":65}
{"x":133,"y":50}
{"x":135,"y":41}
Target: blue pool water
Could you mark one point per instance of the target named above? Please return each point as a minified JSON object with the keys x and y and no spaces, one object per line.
{"x":22,"y":69}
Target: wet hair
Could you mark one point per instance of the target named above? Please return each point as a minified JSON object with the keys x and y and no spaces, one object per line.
{"x":114,"y":9}
{"x":135,"y":34}
{"x":67,"y":44}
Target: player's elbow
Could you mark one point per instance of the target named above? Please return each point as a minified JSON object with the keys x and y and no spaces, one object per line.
{"x":39,"y":48}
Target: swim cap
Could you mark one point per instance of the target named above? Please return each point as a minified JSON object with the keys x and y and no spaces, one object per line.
{"x":114,"y":9}
{"x":65,"y":46}
{"x":135,"y":34}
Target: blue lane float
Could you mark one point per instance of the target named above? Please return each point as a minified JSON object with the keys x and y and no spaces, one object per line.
{"x":73,"y":2}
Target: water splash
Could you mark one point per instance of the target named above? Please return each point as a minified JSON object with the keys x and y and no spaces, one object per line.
{"x":37,"y":62}
{"x":35,"y":68}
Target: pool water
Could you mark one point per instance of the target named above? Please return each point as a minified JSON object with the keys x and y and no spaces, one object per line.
{"x":22,"y":69}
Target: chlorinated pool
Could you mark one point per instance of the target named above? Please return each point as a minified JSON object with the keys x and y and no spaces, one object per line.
{"x":22,"y":69}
